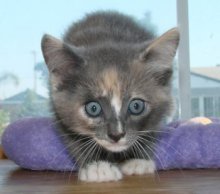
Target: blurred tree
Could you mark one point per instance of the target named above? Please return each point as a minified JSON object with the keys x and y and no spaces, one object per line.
{"x":42,"y":69}
{"x":6,"y":77}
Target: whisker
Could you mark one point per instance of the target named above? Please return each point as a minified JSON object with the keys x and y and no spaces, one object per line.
{"x":87,"y":151}
{"x":137,"y":151}
{"x":148,"y":155}
{"x":87,"y":145}
{"x":66,"y":147}
{"x":77,"y":159}
{"x":88,"y":148}
{"x":90,"y":151}
{"x":98,"y":153}
{"x":152,"y":149}
{"x":165,"y":143}
{"x":163,"y":150}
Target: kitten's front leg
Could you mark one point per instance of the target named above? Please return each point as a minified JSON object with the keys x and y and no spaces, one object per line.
{"x":100,"y":171}
{"x":138,"y":167}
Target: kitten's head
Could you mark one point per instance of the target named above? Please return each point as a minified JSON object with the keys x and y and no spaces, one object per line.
{"x":111,"y":92}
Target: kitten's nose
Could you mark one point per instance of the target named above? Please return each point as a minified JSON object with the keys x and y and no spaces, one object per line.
{"x":116,"y":136}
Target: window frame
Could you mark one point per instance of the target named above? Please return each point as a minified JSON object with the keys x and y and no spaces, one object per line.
{"x":184,"y":60}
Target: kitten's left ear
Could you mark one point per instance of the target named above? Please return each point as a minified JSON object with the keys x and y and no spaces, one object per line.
{"x":160,"y":54}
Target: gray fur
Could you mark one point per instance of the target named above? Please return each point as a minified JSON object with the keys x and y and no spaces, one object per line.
{"x":100,"y":42}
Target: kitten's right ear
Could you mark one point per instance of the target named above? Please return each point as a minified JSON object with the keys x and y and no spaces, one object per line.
{"x":59,"y":56}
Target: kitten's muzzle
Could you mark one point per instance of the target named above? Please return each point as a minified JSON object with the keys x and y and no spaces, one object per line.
{"x":115,"y":135}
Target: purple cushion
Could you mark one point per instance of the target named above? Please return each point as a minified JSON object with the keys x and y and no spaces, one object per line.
{"x":34,"y":144}
{"x":189,"y":145}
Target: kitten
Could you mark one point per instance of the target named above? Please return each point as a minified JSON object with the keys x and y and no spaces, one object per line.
{"x":110,"y":90}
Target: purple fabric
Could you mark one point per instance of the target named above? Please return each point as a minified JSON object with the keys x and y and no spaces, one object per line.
{"x":34,"y":144}
{"x":189,"y":145}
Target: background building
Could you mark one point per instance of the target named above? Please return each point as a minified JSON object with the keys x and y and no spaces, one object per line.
{"x":205,"y":91}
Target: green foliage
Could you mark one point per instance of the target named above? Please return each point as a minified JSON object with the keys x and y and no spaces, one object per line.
{"x":4,"y":120}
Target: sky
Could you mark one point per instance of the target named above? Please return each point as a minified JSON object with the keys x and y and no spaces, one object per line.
{"x":23,"y":23}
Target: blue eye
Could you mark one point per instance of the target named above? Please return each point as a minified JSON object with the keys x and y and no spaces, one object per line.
{"x":136,"y":106}
{"x":93,"y":109}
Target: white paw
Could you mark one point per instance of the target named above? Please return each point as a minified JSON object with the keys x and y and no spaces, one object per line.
{"x":100,"y":172}
{"x":138,"y":167}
